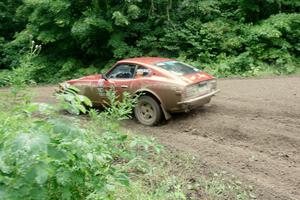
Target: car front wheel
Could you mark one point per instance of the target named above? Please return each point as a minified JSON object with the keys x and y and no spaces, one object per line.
{"x":147,"y":111}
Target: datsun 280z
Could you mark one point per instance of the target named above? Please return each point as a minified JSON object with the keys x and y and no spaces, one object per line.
{"x":167,"y":86}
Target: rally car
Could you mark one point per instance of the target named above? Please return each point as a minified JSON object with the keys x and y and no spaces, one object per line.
{"x":166,"y":86}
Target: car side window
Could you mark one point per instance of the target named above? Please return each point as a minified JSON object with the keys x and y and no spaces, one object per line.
{"x":142,"y":71}
{"x":122,"y":71}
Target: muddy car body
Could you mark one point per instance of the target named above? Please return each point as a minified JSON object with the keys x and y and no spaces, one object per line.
{"x":167,"y":86}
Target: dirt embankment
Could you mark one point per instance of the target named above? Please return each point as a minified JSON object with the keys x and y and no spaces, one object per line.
{"x":251,"y":130}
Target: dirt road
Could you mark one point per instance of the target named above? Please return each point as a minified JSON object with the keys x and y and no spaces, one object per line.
{"x":251,"y":130}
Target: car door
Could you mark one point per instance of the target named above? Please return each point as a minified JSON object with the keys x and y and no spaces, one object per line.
{"x":141,"y":78}
{"x":120,"y":78}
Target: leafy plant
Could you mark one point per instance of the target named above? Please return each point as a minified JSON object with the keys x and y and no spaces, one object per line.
{"x":71,"y":101}
{"x":119,"y":110}
{"x":49,"y":156}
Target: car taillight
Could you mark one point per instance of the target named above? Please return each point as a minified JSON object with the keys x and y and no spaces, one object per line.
{"x":200,"y":89}
{"x":212,"y":84}
{"x":191,"y":91}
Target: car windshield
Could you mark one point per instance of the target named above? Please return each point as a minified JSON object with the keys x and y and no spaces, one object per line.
{"x":177,"y":67}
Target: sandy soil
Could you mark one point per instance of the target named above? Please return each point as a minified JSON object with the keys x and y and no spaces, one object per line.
{"x":251,"y":130}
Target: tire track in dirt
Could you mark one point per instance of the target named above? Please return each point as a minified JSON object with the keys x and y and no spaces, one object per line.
{"x":251,"y":129}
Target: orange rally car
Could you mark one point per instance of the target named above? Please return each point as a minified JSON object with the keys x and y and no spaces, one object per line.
{"x":167,"y":86}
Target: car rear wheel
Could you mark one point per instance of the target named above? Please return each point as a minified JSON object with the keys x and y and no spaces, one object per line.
{"x":147,"y":111}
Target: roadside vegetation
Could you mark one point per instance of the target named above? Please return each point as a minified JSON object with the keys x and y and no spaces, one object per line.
{"x":47,"y":151}
{"x":49,"y":155}
{"x":223,"y":37}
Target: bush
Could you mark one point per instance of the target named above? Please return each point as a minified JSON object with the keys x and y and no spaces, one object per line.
{"x":49,"y":156}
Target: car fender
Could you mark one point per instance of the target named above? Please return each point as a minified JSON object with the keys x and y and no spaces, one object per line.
{"x":167,"y":115}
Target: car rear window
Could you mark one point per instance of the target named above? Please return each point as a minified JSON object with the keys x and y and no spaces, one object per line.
{"x":177,"y":67}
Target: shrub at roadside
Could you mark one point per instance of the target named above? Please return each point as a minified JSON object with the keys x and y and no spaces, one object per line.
{"x":44,"y":155}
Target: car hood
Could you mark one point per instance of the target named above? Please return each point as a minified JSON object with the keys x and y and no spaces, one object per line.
{"x":91,"y":77}
{"x":85,"y":78}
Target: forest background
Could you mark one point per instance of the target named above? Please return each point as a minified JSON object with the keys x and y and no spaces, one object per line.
{"x":78,"y":37}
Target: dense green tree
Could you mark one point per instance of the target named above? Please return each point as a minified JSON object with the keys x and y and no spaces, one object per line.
{"x":81,"y":37}
{"x":255,"y":10}
{"x":8,"y":26}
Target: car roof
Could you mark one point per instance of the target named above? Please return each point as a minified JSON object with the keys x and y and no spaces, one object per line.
{"x":146,"y":60}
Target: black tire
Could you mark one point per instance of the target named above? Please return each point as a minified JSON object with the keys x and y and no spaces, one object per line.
{"x":147,"y":111}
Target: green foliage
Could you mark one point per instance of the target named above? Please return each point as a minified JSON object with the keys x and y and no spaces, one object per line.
{"x":8,"y":26}
{"x":226,"y":48}
{"x":4,"y":77}
{"x":47,"y":160}
{"x":257,"y":10}
{"x":49,"y":156}
{"x":72,"y":101}
{"x":119,"y":110}
{"x":79,"y":37}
